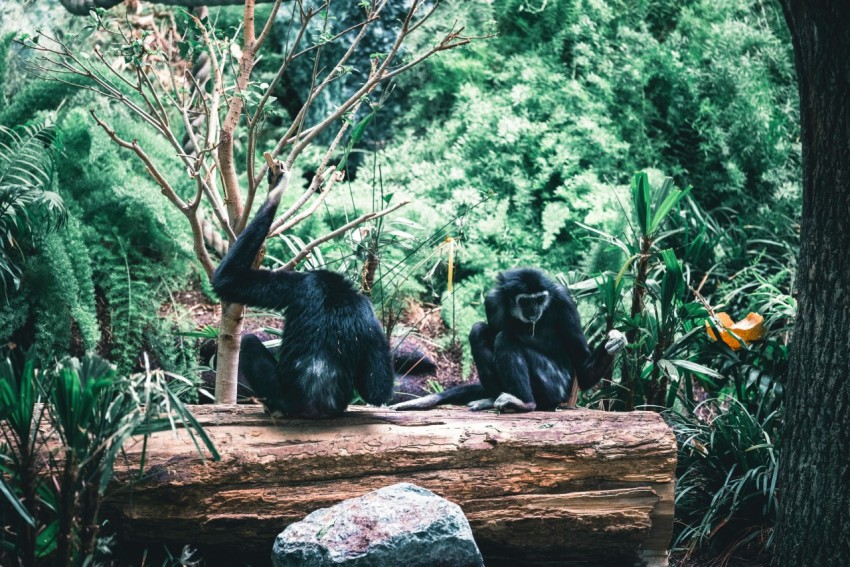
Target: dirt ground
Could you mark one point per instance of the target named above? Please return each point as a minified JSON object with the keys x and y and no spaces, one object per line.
{"x":426,"y":332}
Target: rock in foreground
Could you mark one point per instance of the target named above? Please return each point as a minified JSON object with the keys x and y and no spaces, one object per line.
{"x":401,"y":524}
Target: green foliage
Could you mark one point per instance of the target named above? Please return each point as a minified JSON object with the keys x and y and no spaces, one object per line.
{"x":527,"y":140}
{"x":59,"y":283}
{"x":27,"y":209}
{"x":5,"y":42}
{"x":649,"y":299}
{"x":34,"y":96}
{"x":138,"y":244}
{"x":50,"y":506}
{"x":726,"y":481}
{"x":124,"y":249}
{"x":92,"y":285}
{"x":546,"y":120}
{"x":728,"y":443}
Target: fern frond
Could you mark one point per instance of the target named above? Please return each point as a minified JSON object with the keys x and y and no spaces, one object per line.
{"x":27,"y":208}
{"x":26,"y":155}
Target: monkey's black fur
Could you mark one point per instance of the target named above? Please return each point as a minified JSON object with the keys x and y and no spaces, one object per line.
{"x":529,"y":349}
{"x":332,"y":342}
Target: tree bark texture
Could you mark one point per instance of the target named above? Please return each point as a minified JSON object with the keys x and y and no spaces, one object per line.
{"x":227,"y":355}
{"x":814,"y":524}
{"x":577,"y":487}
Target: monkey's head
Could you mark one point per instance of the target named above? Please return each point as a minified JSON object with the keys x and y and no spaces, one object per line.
{"x":529,"y":307}
{"x":527,"y":291}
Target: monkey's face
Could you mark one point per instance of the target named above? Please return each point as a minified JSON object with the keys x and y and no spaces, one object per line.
{"x":529,"y":307}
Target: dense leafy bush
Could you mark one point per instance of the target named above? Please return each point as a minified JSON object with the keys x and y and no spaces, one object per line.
{"x":726,"y":481}
{"x":28,"y":209}
{"x":547,"y":121}
{"x":139,"y":245}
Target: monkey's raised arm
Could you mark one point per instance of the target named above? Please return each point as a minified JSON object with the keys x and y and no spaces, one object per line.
{"x":236,"y":280}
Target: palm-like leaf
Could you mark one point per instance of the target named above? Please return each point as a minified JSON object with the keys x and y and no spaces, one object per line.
{"x":27,"y":208}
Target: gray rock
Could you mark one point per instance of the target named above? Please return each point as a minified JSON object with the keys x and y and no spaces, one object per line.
{"x":401,"y":524}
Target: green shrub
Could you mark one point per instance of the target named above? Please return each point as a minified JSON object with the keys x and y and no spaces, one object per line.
{"x":61,"y":304}
{"x":547,"y":121}
{"x":124,"y":248}
{"x":140,"y":246}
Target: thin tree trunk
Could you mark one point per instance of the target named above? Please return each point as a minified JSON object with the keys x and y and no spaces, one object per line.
{"x":227,"y":359}
{"x":631,"y":376}
{"x":815,"y":469}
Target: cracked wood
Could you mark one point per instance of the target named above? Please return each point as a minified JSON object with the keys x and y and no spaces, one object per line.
{"x":567,"y":487}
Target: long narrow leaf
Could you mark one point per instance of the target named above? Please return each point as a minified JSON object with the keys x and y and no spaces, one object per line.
{"x":666,"y":206}
{"x":6,"y":490}
{"x":641,"y":201}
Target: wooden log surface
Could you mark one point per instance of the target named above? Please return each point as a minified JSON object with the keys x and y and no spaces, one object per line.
{"x":576,"y":487}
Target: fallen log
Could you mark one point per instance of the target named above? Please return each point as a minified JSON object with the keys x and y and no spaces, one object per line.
{"x":576,"y":487}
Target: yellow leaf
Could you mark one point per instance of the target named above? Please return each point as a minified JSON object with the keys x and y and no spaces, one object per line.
{"x":748,"y":330}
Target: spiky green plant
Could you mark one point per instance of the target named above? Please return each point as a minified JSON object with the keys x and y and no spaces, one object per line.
{"x":726,"y":482}
{"x":53,"y":493}
{"x":649,"y":299}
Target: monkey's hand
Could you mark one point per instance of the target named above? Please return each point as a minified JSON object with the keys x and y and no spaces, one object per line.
{"x":615,"y":342}
{"x":278,"y":177}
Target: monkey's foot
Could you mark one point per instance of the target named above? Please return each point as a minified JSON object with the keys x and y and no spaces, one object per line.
{"x":479,"y":405}
{"x":422,"y":403}
{"x":273,"y":412}
{"x":507,"y":401}
{"x":615,"y":342}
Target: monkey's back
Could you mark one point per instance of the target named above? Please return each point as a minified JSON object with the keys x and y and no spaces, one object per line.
{"x":329,"y":329}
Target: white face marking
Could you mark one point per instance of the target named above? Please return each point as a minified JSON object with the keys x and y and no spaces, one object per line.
{"x":529,"y":307}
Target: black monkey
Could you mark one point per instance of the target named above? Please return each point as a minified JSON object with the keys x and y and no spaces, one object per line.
{"x":528,"y":350}
{"x":332,"y":342}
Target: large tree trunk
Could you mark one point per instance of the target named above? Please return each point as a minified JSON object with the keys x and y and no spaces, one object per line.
{"x":814,"y":523}
{"x":574,"y":487}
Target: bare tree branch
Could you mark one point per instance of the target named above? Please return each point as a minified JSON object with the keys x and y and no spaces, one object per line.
{"x":189,"y":211}
{"x":268,"y":27}
{"x":338,"y":232}
{"x":167,"y":190}
{"x":282,"y":227}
